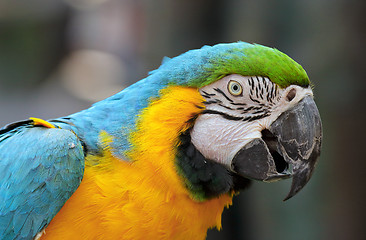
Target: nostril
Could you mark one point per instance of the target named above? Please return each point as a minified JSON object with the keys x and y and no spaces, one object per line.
{"x":291,"y":95}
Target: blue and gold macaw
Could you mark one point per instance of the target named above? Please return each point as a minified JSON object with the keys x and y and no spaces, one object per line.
{"x":164,"y":157}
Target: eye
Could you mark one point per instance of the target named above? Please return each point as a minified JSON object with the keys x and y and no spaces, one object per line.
{"x":235,"y":88}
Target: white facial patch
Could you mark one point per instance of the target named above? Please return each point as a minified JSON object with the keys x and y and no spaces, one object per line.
{"x":233,"y":117}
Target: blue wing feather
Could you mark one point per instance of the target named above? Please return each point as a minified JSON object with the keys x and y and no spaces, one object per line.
{"x":40,"y":168}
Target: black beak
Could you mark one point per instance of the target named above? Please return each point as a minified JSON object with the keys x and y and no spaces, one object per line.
{"x":290,"y":147}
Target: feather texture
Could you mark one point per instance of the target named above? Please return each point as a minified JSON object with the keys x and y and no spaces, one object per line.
{"x":128,"y":199}
{"x":40,"y":168}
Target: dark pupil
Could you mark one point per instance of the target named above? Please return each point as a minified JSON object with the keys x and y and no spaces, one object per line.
{"x":235,"y":87}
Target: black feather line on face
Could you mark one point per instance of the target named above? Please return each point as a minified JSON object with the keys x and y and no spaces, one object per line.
{"x":238,"y":104}
{"x":208,"y":94}
{"x":212,"y":102}
{"x":265,"y":112}
{"x":224,"y":106}
{"x":224,"y":115}
{"x":223,"y":94}
{"x":204,"y":178}
{"x":254,"y":100}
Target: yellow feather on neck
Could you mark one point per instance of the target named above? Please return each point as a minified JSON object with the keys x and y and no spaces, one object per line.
{"x":144,"y":198}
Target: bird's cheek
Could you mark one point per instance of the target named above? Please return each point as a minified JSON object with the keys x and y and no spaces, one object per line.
{"x":219,"y":139}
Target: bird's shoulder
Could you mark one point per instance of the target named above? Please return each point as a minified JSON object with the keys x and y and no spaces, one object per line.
{"x":41,"y":166}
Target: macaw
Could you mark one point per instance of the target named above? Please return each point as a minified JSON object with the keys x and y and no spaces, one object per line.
{"x":162,"y":158}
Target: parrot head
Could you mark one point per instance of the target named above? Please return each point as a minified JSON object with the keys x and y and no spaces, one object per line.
{"x":258,"y":130}
{"x":258,"y":119}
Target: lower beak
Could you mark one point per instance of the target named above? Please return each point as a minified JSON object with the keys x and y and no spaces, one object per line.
{"x":290,"y":147}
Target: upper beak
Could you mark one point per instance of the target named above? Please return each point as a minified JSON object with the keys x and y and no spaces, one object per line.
{"x":290,"y":147}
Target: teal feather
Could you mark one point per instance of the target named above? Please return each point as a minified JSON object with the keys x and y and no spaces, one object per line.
{"x":40,"y":168}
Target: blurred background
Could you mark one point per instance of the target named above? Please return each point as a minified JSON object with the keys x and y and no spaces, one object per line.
{"x":58,"y":57}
